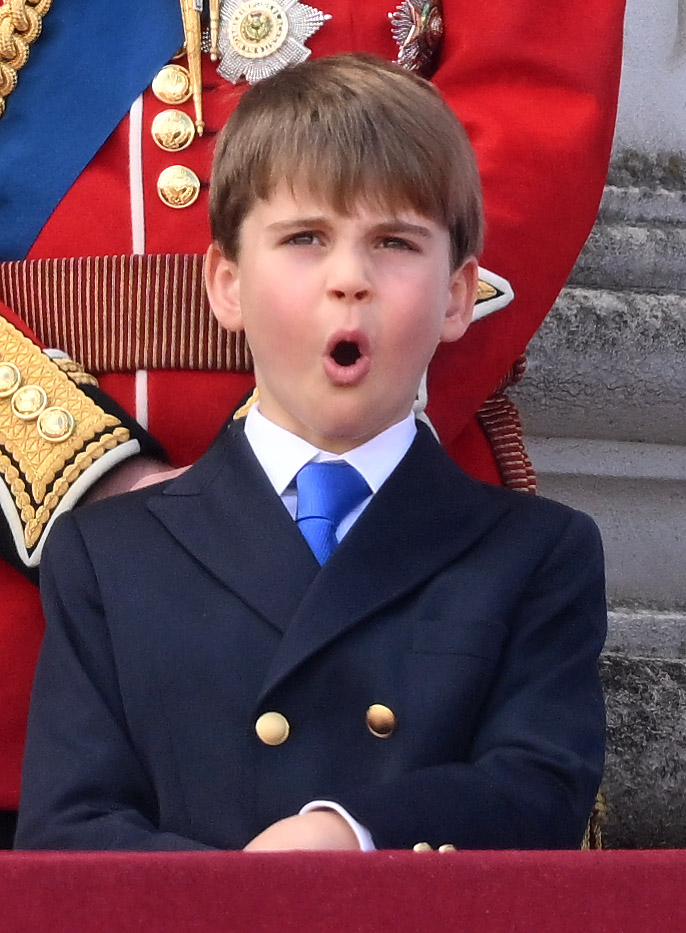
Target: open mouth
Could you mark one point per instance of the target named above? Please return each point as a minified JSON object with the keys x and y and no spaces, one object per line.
{"x":346,"y":353}
{"x":346,"y":360}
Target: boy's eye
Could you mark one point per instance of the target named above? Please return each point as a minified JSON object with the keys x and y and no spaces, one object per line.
{"x":397,"y":242}
{"x":303,"y":238}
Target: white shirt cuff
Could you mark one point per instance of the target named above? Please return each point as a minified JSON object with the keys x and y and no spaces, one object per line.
{"x":362,"y":834}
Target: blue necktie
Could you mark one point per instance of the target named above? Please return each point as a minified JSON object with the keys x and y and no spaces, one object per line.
{"x":327,"y":492}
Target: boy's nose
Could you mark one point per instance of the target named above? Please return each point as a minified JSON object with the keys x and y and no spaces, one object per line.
{"x":348,"y":278}
{"x":357,"y":294}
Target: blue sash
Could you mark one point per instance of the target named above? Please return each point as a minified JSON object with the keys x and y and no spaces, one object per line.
{"x":90,"y":63}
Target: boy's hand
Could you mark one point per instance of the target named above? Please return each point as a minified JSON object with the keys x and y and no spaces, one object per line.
{"x":133,"y":474}
{"x":318,"y":829}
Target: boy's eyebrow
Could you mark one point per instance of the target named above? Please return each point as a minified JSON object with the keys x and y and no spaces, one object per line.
{"x":402,"y":226}
{"x":284,"y":225}
{"x":395,"y":225}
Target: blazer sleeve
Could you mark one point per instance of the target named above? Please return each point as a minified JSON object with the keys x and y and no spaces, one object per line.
{"x":84,"y":784}
{"x":537,"y":754}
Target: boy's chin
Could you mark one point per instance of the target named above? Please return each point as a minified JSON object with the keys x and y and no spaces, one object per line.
{"x":340,"y":436}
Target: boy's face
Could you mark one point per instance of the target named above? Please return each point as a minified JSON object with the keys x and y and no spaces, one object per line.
{"x":342,"y":313}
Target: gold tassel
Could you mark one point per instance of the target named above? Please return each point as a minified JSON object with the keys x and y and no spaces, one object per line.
{"x":192,"y":31}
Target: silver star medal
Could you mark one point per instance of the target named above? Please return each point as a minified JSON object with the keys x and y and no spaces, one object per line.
{"x":257,"y":38}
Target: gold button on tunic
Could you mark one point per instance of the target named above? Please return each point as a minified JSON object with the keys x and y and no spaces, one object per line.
{"x":272,"y":728}
{"x":381,"y":721}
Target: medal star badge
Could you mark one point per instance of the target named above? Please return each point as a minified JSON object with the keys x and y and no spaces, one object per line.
{"x":417,"y":27}
{"x":257,"y":38}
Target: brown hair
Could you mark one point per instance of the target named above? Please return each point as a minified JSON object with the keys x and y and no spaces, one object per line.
{"x":348,"y":128}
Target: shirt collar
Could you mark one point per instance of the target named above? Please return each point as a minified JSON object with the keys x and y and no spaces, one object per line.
{"x":281,"y":454}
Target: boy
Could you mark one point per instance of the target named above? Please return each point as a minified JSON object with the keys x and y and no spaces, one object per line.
{"x":430,"y":680}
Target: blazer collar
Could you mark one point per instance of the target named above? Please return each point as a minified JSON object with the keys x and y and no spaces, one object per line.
{"x":225,"y":513}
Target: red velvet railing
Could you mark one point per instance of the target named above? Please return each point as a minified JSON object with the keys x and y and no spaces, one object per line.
{"x":389,"y":892}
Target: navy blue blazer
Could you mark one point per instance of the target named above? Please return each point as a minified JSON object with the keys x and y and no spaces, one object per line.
{"x":177,"y":615}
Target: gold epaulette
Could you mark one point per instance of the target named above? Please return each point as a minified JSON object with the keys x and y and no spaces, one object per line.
{"x":50,"y":434}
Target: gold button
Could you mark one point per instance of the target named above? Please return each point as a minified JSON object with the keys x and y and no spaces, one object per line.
{"x":173,"y":130}
{"x":381,"y":721}
{"x":422,"y":847}
{"x":10,"y":379}
{"x":447,"y":847}
{"x":172,"y":85}
{"x":272,"y":728}
{"x":178,"y":186}
{"x":55,"y":424}
{"x":28,"y":402}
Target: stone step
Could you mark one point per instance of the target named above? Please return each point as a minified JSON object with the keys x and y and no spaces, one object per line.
{"x":641,"y":518}
{"x":608,"y":365}
{"x":623,"y":255}
{"x":600,"y":459}
{"x":633,"y":205}
{"x":641,"y":632}
{"x":632,"y":168}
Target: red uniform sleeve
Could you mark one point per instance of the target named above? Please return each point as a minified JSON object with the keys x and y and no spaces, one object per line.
{"x":536,"y":87}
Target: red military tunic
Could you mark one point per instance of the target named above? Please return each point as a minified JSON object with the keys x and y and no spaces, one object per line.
{"x":535,"y":86}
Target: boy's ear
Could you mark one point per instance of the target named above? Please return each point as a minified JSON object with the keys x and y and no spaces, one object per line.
{"x":223,"y":291}
{"x":464,"y":284}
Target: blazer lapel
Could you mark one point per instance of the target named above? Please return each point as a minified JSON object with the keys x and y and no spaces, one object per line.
{"x":425,"y":515}
{"x":226,"y":514}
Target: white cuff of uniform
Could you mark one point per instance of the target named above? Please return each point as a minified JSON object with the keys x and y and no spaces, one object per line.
{"x":362,"y":834}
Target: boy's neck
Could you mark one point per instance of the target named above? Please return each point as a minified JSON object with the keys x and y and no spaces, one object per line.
{"x":331,"y":445}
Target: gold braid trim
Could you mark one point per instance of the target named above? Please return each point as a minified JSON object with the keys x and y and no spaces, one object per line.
{"x":21,"y":22}
{"x":39,"y":471}
{"x":76,"y":372}
{"x":84,"y":459}
{"x":247,"y":405}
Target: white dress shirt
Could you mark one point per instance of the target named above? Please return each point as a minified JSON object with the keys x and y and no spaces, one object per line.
{"x":282,"y":454}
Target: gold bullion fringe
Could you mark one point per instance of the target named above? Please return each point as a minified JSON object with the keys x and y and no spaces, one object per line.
{"x":76,"y":373}
{"x":21,"y":22}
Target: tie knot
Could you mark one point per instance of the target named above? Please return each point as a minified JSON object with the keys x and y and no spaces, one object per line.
{"x":329,"y":490}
